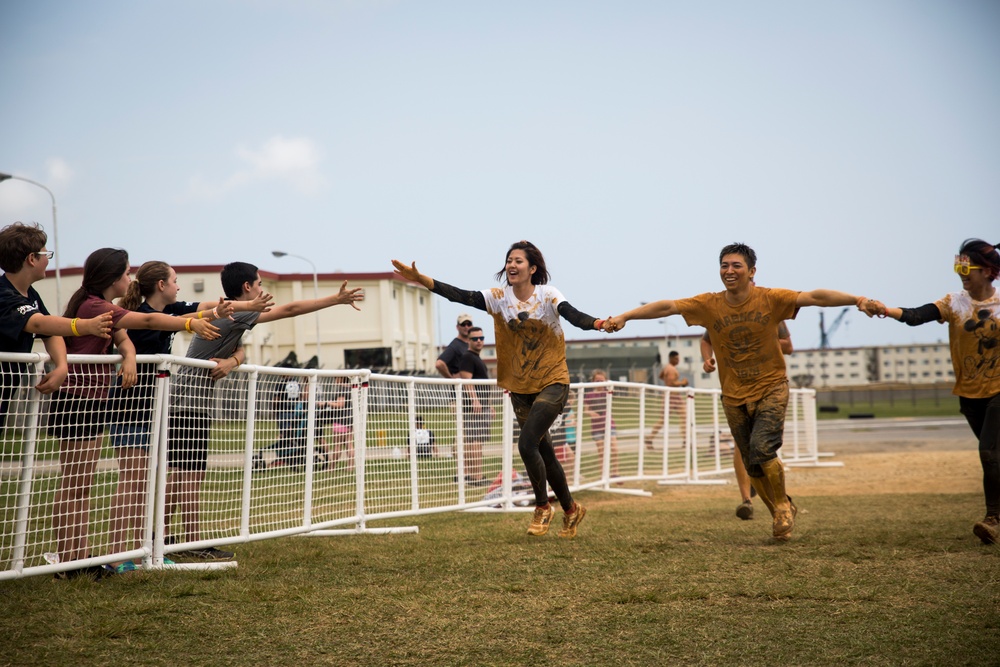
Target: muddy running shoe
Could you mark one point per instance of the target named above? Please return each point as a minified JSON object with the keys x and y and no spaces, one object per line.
{"x":540,"y":520}
{"x":571,"y":521}
{"x":988,"y":530}
{"x":784,"y":521}
{"x":745,"y":510}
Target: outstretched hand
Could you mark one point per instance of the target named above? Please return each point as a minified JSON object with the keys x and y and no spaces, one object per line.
{"x":204,"y":329}
{"x":261,"y":303}
{"x":224,"y":309}
{"x":350,"y":296}
{"x":96,"y":326}
{"x":410,"y":273}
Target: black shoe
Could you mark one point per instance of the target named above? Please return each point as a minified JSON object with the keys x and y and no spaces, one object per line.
{"x":94,"y":573}
{"x":211,"y":553}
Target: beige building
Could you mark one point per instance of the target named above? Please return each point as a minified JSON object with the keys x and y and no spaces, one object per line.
{"x":394,"y":328}
{"x":918,"y":363}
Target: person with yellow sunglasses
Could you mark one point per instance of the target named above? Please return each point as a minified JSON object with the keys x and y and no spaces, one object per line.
{"x":973,"y":317}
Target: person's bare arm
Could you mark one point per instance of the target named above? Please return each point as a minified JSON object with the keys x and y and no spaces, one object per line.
{"x":53,"y":325}
{"x":344,"y":297}
{"x":56,"y":348}
{"x":648,"y":311}
{"x":470,"y":389}
{"x":129,"y":371}
{"x":707,"y":354}
{"x":825,"y":297}
{"x":163,"y":322}
{"x":224,"y":367}
{"x":785,"y":339}
{"x":442,"y":368}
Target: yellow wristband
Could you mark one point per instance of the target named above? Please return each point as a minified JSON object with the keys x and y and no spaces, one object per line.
{"x":199,"y":315}
{"x":236,"y":360}
{"x":72,"y":325}
{"x":187,"y":325}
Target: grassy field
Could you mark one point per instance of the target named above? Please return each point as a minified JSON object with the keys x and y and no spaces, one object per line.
{"x":875,"y":580}
{"x":921,"y":407}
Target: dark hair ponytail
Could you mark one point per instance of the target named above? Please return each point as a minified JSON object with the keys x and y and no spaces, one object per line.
{"x":102,"y":268}
{"x":147,"y":279}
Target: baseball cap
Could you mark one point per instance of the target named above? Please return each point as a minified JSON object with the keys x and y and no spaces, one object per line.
{"x":464,"y":317}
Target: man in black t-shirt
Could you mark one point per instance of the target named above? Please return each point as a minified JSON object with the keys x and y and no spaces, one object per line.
{"x":447,"y":363}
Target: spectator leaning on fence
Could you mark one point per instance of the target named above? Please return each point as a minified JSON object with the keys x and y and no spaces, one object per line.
{"x":742,"y":323}
{"x":154,"y":290}
{"x":192,"y":392}
{"x":973,"y":318}
{"x":79,"y":410}
{"x":23,"y":316}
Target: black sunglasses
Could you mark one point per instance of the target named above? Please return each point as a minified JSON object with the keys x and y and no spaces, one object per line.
{"x":466,"y":323}
{"x":477,"y":337}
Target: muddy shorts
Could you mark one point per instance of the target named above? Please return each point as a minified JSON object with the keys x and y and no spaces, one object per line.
{"x":758,"y":427}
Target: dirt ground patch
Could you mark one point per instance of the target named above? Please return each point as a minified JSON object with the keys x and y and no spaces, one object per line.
{"x":886,"y":457}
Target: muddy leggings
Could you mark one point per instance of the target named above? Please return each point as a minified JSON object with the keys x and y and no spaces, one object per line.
{"x":983,"y":415}
{"x":535,"y":414}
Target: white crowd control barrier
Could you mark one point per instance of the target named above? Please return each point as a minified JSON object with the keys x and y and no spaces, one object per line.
{"x":181,"y":462}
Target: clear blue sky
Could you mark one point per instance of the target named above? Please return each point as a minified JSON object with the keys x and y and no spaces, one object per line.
{"x":853,"y":144}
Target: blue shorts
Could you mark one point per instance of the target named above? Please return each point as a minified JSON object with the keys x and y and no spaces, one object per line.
{"x":130,"y":435}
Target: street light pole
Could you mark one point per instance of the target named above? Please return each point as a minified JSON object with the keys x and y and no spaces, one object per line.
{"x":279,"y":253}
{"x":55,"y":231}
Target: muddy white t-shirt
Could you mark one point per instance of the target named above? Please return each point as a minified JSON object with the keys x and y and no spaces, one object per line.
{"x":531,"y":347}
{"x":974,"y":334}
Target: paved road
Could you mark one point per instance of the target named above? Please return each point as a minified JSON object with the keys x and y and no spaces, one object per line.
{"x":852,"y":436}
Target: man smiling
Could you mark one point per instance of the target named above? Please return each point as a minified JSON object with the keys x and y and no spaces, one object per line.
{"x":742,"y":323}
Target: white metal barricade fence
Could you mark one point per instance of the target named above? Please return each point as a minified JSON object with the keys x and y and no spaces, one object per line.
{"x":184,"y":463}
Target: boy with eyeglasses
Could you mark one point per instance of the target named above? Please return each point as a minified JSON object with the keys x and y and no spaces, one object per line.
{"x":23,"y":316}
